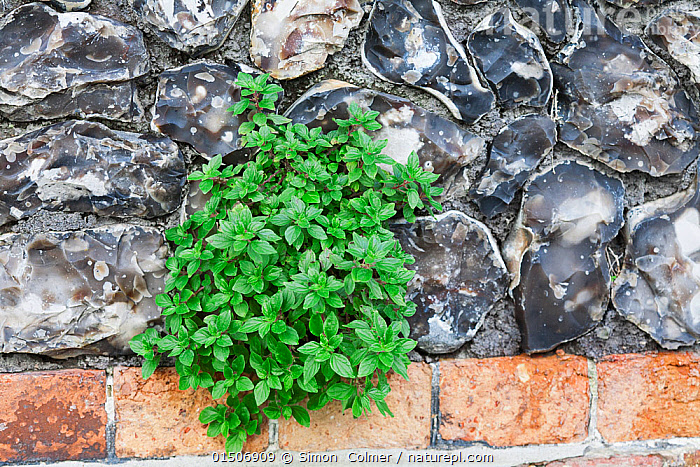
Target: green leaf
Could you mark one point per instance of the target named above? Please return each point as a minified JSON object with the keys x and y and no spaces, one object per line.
{"x":187,"y":357}
{"x":301,"y":415}
{"x":244,"y":384}
{"x":361,"y":274}
{"x":330,"y":326}
{"x":263,"y":248}
{"x":316,"y":231}
{"x":342,"y":391}
{"x":341,"y":365}
{"x":208,"y":415}
{"x":149,"y":366}
{"x":261,"y":391}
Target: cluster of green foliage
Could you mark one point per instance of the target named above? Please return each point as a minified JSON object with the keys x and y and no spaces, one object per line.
{"x":288,"y":284}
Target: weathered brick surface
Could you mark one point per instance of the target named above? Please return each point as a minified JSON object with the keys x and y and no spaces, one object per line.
{"x":622,"y":461}
{"x":649,"y":396}
{"x":513,"y":401}
{"x":156,"y":419}
{"x":52,"y":415}
{"x":691,"y":459}
{"x":333,"y":429}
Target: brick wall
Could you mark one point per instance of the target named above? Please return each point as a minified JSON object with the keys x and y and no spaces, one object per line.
{"x":612,"y":409}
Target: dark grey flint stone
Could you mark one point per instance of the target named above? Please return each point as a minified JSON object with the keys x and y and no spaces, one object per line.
{"x":192,"y":105}
{"x":408,"y":42}
{"x":552,"y":17}
{"x":678,"y":32}
{"x":512,"y":60}
{"x":69,"y":293}
{"x":68,"y":64}
{"x":442,"y":147}
{"x":460,"y":276}
{"x":86,"y":167}
{"x":556,"y":253}
{"x":620,"y":104}
{"x":193,"y":26}
{"x":290,"y":38}
{"x":658,"y":288}
{"x":515,"y":153}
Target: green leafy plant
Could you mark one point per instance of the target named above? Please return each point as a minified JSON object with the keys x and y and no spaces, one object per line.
{"x":288,"y":286}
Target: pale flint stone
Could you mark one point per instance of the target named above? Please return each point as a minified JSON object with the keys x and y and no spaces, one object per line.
{"x":69,"y":293}
{"x":86,"y":167}
{"x":193,"y":26}
{"x":551,"y":16}
{"x":290,"y":38}
{"x":678,"y":32}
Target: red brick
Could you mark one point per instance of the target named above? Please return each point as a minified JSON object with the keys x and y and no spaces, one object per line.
{"x":625,"y":461}
{"x":52,"y":415}
{"x":649,"y":396}
{"x":333,"y":429}
{"x":156,"y":419}
{"x":691,"y":459}
{"x":513,"y":401}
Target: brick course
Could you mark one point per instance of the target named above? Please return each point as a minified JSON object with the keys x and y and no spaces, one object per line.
{"x":514,"y":401}
{"x":331,"y":428}
{"x":156,"y":419}
{"x":52,"y":415}
{"x":649,"y":396}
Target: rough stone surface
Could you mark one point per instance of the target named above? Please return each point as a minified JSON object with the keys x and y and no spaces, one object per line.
{"x":621,"y":461}
{"x":460,"y":275}
{"x":66,"y":293}
{"x":442,"y":147}
{"x":677,"y":31}
{"x":620,"y":105}
{"x":86,"y":167}
{"x":514,"y":401}
{"x":556,"y":253}
{"x":552,"y":17}
{"x":409,"y":42}
{"x":44,"y":53}
{"x":658,"y":288}
{"x":332,"y":429}
{"x":193,"y":26}
{"x":512,"y":59}
{"x":515,"y":153}
{"x":155,"y":419}
{"x":291,"y":38}
{"x":649,"y":396}
{"x":70,"y":5}
{"x":53,"y":415}
{"x":192,"y":107}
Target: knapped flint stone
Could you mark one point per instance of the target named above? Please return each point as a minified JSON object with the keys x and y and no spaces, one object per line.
{"x":512,"y":60}
{"x":43,"y":53}
{"x":442,"y":147}
{"x":70,"y":5}
{"x":69,"y":293}
{"x":556,"y":253}
{"x":620,"y":104}
{"x":658,"y":288}
{"x":290,"y":38}
{"x":193,"y":26}
{"x":677,"y":31}
{"x":460,"y":276}
{"x":192,"y":105}
{"x":86,"y":167}
{"x":515,"y":153}
{"x":550,"y":15}
{"x":408,"y":42}
{"x":114,"y":101}
{"x":631,"y":3}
